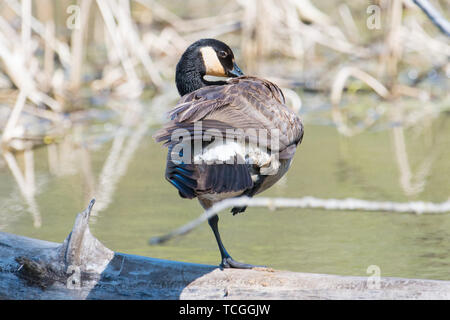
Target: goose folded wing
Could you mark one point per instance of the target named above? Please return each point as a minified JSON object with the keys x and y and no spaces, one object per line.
{"x":243,"y":110}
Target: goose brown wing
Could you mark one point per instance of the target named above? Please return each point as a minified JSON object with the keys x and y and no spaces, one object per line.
{"x":243,"y":103}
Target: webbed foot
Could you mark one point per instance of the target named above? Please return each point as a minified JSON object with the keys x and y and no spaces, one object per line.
{"x":236,"y":210}
{"x":230,"y":263}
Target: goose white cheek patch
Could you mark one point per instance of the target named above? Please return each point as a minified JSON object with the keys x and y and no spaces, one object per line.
{"x":212,"y":63}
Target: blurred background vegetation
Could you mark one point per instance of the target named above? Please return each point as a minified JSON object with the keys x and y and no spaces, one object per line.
{"x":84,"y":83}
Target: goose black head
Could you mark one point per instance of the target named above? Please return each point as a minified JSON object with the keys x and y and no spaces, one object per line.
{"x":205,"y":57}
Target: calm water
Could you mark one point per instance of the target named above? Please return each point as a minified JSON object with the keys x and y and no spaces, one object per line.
{"x":140,"y":204}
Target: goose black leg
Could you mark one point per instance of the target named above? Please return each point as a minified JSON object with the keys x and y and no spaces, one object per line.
{"x":227,"y":261}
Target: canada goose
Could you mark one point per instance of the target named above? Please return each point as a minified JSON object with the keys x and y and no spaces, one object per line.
{"x":241,"y":107}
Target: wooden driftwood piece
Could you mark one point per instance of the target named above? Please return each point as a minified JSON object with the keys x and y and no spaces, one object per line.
{"x":82,"y":268}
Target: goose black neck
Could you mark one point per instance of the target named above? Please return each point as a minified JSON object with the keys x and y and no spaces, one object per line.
{"x":188,"y":81}
{"x":189,"y":73}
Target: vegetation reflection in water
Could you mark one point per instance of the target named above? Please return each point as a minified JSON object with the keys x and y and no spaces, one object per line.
{"x":126,"y":175}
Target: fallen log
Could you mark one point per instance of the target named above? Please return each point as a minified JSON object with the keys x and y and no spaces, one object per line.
{"x":83,"y":268}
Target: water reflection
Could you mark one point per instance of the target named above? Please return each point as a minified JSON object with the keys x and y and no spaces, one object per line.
{"x":26,"y":182}
{"x":71,"y":155}
{"x":116,"y":162}
{"x":414,"y":182}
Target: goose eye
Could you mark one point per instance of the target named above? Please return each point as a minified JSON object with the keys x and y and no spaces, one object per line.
{"x":222,"y":54}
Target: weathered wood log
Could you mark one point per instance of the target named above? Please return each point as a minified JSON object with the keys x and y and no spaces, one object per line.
{"x":83,"y":268}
